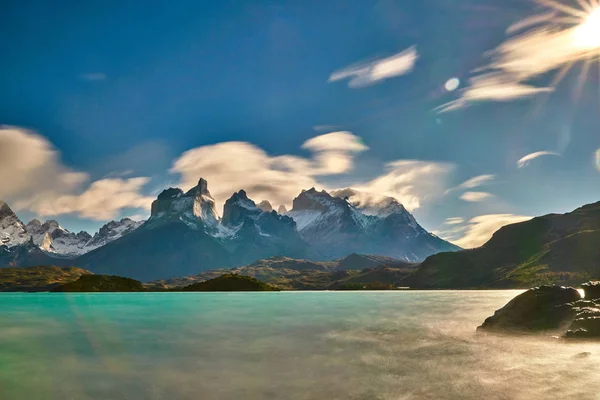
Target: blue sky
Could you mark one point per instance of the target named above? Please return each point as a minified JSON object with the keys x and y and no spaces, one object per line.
{"x":120,"y":90}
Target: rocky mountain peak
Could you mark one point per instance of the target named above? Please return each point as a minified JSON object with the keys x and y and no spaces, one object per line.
{"x":282,"y":209}
{"x":238,"y":207}
{"x":12,"y":230}
{"x":313,"y":200}
{"x":201,"y":189}
{"x":196,"y":207}
{"x":265,"y":206}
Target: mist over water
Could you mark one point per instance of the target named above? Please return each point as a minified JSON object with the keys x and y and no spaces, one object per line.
{"x":289,"y":345}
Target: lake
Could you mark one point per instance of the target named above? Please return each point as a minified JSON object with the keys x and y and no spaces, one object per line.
{"x":287,"y":345}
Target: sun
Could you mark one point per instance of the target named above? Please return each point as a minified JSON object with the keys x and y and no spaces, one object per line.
{"x":587,"y":35}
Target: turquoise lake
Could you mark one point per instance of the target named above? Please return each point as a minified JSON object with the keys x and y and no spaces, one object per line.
{"x":288,"y":345}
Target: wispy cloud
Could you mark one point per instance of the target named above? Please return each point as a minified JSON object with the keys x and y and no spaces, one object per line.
{"x":477,"y":181}
{"x":454,"y":221}
{"x":480,"y":229}
{"x":475,"y":196}
{"x":93,"y":76}
{"x":474,"y":182}
{"x":524,"y":161}
{"x":369,"y":73}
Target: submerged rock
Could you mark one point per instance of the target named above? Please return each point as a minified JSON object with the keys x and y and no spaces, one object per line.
{"x":538,"y":309}
{"x":591,"y":290}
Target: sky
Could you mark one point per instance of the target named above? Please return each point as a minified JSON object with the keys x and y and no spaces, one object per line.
{"x":455,"y":108}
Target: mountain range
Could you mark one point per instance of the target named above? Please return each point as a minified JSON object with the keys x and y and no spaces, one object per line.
{"x":185,"y":234}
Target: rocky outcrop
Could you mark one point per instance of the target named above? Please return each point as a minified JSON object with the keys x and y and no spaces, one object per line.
{"x":548,"y":308}
{"x":282,"y":209}
{"x":540,"y":308}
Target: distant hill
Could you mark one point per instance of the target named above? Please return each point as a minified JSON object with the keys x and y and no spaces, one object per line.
{"x":101,"y":283}
{"x":554,"y":248}
{"x":294,"y":274}
{"x":37,"y":279}
{"x":230,"y":283}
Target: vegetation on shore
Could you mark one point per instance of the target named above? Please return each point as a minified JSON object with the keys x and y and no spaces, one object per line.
{"x":37,"y":279}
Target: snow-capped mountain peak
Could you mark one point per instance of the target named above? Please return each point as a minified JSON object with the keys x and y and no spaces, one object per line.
{"x":12,"y":230}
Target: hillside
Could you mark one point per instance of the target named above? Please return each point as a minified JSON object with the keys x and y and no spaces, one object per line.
{"x":230,"y":283}
{"x":293,"y":274}
{"x":37,"y":279}
{"x":554,"y":248}
{"x":101,"y":283}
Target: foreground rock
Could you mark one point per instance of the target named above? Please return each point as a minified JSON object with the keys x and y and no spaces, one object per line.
{"x":102,"y":283}
{"x":541,"y":308}
{"x":550,"y":308}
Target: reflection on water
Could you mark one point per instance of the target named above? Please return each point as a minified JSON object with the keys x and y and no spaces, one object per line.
{"x":303,"y":345}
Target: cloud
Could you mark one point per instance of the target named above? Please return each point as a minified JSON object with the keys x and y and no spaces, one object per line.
{"x":454,"y":221}
{"x":476,"y":181}
{"x":480,"y":229}
{"x":279,"y":179}
{"x":93,"y":76}
{"x":369,"y":73}
{"x":539,"y":44}
{"x":232,"y":166}
{"x":411,"y":182}
{"x":102,"y":200}
{"x":29,"y":164}
{"x":33,"y":178}
{"x":476,"y":196}
{"x":523,"y":162}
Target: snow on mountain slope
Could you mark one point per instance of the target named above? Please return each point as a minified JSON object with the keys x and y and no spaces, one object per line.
{"x":112,"y":231}
{"x":12,"y":230}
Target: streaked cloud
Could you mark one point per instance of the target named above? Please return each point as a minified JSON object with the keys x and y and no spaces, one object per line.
{"x":93,"y":76}
{"x":524,"y":161}
{"x":481,"y":228}
{"x":476,"y":181}
{"x":476,"y":196}
{"x":454,"y":221}
{"x":369,"y":73}
{"x":33,"y":178}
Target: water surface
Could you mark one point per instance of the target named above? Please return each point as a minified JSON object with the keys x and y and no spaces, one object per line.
{"x":287,"y":345}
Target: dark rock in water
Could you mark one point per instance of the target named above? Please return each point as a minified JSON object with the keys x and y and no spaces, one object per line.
{"x":591,"y":290}
{"x":584,"y":354}
{"x":586,"y":321}
{"x":541,"y":308}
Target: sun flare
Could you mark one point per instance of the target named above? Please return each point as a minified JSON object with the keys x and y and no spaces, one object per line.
{"x":587,"y":34}
{"x":563,"y":37}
